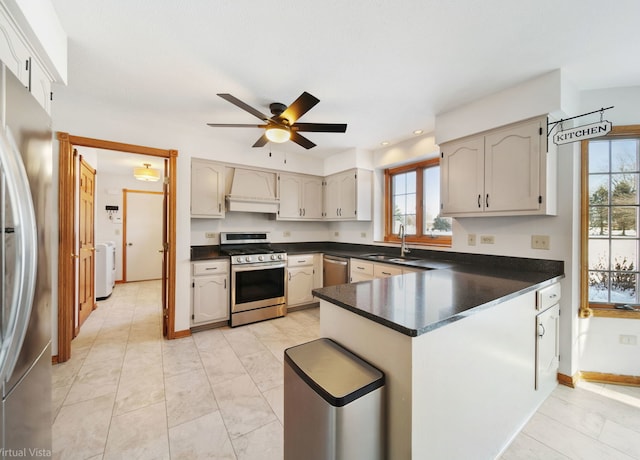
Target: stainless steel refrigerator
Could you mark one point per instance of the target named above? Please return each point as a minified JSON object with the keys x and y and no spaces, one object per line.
{"x":26,"y":214}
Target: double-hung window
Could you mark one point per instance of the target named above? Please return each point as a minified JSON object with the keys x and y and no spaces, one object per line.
{"x":610,"y":214}
{"x":412,"y":199}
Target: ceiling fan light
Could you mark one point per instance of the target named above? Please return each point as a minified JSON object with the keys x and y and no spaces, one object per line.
{"x":278,"y":134}
{"x":146,"y":174}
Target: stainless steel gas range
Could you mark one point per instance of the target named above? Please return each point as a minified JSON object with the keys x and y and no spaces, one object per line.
{"x":258,"y":277}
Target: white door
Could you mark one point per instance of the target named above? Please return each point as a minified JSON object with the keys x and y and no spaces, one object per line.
{"x":142,"y":235}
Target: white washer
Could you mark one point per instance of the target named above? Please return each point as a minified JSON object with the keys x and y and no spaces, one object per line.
{"x":105,"y":269}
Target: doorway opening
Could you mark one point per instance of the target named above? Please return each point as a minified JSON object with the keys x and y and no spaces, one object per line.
{"x":67,"y":260}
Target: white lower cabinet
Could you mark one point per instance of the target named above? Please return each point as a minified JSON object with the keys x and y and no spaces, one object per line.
{"x":301,"y":279}
{"x":360,"y":270}
{"x":547,"y":346}
{"x":210,"y":292}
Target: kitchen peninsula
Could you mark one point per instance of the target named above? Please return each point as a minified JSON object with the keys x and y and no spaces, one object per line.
{"x":459,"y":346}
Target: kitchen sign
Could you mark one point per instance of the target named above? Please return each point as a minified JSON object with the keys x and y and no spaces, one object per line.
{"x":582,"y":132}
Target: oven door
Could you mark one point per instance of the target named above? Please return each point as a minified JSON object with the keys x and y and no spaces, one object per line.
{"x":257,"y":285}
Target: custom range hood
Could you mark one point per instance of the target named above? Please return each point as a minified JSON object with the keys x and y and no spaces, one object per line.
{"x":253,"y":191}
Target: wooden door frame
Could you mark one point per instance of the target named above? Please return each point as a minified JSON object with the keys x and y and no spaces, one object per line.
{"x":67,"y":231}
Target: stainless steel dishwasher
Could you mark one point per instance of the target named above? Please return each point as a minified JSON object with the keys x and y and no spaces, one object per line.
{"x":335,"y":270}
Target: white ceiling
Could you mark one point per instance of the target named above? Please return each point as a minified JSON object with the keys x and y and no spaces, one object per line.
{"x":384,"y":67}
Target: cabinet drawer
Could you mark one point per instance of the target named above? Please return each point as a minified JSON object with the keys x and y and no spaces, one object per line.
{"x":210,"y":267}
{"x":548,"y":297}
{"x":300,"y":260}
{"x":382,"y":271}
{"x":360,"y":266}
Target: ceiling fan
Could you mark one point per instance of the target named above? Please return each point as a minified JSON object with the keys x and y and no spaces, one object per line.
{"x":282,"y":126}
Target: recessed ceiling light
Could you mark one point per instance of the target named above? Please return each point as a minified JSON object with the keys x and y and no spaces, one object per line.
{"x":384,"y":143}
{"x":418,"y":131}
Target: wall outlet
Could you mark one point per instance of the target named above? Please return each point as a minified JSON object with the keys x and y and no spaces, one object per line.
{"x":487,"y":239}
{"x":628,"y":339}
{"x":336,"y":233}
{"x":286,"y":234}
{"x":471,"y":239}
{"x":363,"y":234}
{"x":540,"y":242}
{"x":210,"y":235}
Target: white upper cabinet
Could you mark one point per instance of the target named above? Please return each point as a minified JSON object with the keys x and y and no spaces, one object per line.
{"x":347,"y":195}
{"x":17,"y":54}
{"x":503,"y":172}
{"x":207,"y":189}
{"x":300,"y":197}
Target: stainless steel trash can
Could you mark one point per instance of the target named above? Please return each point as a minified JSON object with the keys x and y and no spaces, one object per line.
{"x":333,"y":404}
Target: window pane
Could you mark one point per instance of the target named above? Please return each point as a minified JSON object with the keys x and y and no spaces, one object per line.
{"x":599,"y":221}
{"x":599,"y":189}
{"x":624,"y":189}
{"x":598,"y":156}
{"x":624,"y":254}
{"x":399,"y":184}
{"x":411,"y":182}
{"x":433,"y":224}
{"x":598,"y":286}
{"x":623,"y":287}
{"x":624,"y":155}
{"x":599,"y":254}
{"x":624,"y":221}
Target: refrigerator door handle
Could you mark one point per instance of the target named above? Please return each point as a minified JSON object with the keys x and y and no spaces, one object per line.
{"x":18,"y":312}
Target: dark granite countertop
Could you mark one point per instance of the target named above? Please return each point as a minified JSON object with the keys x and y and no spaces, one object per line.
{"x":416,"y":303}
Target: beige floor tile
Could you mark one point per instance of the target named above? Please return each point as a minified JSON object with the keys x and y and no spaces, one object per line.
{"x":527,"y":448}
{"x":265,"y":370}
{"x":189,"y":396}
{"x":200,"y":438}
{"x":243,"y":341}
{"x":180,"y":356}
{"x":621,"y":438}
{"x":264,"y":443}
{"x":140,"y":434}
{"x":80,"y":430}
{"x":275,"y":398}
{"x":579,"y":418}
{"x":95,"y":379}
{"x":139,"y":387}
{"x":221,"y":364}
{"x":242,"y":405}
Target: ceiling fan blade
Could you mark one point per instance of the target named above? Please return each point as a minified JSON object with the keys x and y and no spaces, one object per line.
{"x":261,"y":142}
{"x":301,"y":140}
{"x":320,"y":127}
{"x":246,"y":107}
{"x":299,"y":107}
{"x":234,"y":125}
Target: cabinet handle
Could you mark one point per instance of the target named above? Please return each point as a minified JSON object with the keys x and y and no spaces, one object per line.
{"x":479,"y":198}
{"x":386,"y":273}
{"x":211,"y":268}
{"x":225,"y":283}
{"x":219,"y":207}
{"x":300,"y":211}
{"x":337,"y":211}
{"x":360,"y":268}
{"x":543,"y":330}
{"x":304,"y":212}
{"x":289,"y":276}
{"x":486,"y":200}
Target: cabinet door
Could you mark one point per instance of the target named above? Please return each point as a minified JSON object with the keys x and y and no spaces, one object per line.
{"x":462,"y":176}
{"x":289,"y":191}
{"x":332,"y":197}
{"x":300,"y":284}
{"x":347,"y":186}
{"x":547,"y":346}
{"x":312,"y":197}
{"x":512,"y":168}
{"x":207,"y":189}
{"x":13,"y":51}
{"x":210,"y":299}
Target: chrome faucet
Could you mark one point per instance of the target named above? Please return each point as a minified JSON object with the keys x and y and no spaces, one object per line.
{"x":403,"y":246}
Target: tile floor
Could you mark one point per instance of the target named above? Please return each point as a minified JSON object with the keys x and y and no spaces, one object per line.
{"x":128,"y":394}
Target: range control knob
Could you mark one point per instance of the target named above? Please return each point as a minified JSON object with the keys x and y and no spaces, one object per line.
{"x":247,"y":259}
{"x":279,"y":256}
{"x":239,"y":259}
{"x":260,"y":258}
{"x":273,"y":257}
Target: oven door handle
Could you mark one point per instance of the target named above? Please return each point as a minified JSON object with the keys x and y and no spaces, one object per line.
{"x":258,"y":266}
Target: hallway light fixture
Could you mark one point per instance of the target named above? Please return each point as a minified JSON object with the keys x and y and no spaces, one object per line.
{"x":147,"y":173}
